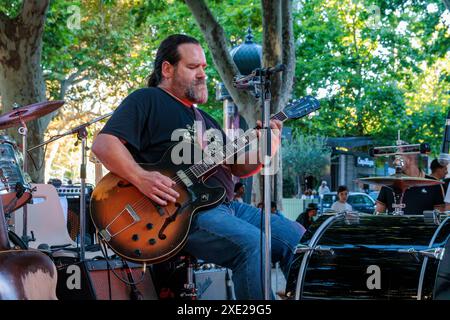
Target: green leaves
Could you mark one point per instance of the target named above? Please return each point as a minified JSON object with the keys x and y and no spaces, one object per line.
{"x":304,"y":155}
{"x":370,"y":74}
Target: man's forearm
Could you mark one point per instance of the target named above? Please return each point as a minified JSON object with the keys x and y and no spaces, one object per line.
{"x":248,"y":168}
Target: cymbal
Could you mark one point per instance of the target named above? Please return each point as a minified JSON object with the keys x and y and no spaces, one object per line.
{"x":28,"y":113}
{"x":400,"y":181}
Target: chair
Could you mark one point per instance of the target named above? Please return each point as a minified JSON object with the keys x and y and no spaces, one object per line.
{"x":47,"y":222}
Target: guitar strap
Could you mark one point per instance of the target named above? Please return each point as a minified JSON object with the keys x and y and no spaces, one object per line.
{"x":199,"y":118}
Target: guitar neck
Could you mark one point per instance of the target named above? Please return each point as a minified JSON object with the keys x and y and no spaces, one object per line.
{"x":231,"y":149}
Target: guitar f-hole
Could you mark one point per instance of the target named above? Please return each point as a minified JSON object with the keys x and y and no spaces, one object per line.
{"x":172,"y":218}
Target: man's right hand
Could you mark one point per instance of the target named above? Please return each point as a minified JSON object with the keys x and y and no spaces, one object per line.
{"x":111,"y":151}
{"x":157,"y":187}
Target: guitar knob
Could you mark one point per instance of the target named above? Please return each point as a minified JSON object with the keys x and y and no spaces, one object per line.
{"x":149,"y":226}
{"x":137,"y":252}
{"x":152,"y":241}
{"x":135,"y":237}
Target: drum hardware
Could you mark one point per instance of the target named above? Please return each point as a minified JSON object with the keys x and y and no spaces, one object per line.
{"x":321,"y":249}
{"x":19,"y":116}
{"x":344,"y":275}
{"x":81,"y":132}
{"x":351,"y":218}
{"x":14,"y":188}
{"x":313,"y":243}
{"x":435,"y":253}
{"x":425,"y":260}
{"x":399,"y":182}
{"x":433,"y":216}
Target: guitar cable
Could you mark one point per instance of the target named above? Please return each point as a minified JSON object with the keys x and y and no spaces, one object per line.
{"x":107,"y":259}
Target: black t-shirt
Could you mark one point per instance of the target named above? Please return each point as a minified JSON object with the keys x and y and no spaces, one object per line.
{"x":304,"y":220}
{"x":149,"y":119}
{"x":416,"y":199}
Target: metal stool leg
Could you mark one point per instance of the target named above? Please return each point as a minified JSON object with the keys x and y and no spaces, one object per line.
{"x":189,"y":291}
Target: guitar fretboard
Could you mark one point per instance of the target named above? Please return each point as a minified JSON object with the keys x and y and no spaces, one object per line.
{"x":218,"y":157}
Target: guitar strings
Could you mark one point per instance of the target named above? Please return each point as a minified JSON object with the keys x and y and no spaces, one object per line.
{"x":194,"y":172}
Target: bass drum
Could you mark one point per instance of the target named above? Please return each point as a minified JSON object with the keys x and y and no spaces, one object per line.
{"x":359,"y":256}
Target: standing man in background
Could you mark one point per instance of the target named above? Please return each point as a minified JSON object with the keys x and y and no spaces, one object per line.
{"x":323,"y":189}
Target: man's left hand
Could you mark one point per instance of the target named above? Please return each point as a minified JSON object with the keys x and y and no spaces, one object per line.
{"x":276,"y":127}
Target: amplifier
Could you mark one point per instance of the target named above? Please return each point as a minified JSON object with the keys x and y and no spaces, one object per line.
{"x":72,"y":194}
{"x":211,"y":281}
{"x":213,"y":284}
{"x":73,"y":191}
{"x":95,"y":280}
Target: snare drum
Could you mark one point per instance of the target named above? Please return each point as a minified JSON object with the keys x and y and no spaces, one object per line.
{"x":14,"y":189}
{"x":359,"y":256}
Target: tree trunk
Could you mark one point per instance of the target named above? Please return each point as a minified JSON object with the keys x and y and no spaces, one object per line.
{"x":215,"y":37}
{"x":21,"y":78}
{"x":447,"y":4}
{"x":278,"y":47}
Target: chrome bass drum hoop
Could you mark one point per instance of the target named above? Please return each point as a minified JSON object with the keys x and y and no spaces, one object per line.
{"x":425,"y":260}
{"x":312,"y":245}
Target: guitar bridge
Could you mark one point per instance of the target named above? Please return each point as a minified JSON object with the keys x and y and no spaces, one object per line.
{"x":107,"y":234}
{"x":132,"y":213}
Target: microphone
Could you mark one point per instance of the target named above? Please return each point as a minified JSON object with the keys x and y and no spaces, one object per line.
{"x":444,"y":157}
{"x":249,"y":82}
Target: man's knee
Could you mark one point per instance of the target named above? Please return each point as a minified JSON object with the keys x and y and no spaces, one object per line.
{"x":249,"y":246}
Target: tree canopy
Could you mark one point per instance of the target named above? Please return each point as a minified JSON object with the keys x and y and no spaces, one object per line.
{"x":377,"y":66}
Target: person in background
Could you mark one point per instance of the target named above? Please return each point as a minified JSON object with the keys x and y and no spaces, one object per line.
{"x":438,"y":171}
{"x":239,"y":192}
{"x":306,"y":218}
{"x":323,"y":189}
{"x":341,"y":204}
{"x":416,"y":199}
{"x":274,"y":210}
{"x":307,"y":194}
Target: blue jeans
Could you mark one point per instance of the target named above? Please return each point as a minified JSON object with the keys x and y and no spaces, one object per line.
{"x":229,"y":235}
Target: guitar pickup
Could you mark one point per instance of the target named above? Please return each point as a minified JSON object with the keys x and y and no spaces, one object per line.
{"x":182,"y":175}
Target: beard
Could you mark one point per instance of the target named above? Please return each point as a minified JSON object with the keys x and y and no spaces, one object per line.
{"x":197,"y":91}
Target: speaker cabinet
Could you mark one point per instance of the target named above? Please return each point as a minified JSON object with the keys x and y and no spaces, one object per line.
{"x":94,"y":280}
{"x":73,"y":219}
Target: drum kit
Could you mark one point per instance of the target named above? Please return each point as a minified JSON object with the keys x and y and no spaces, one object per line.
{"x":15,"y":188}
{"x":351,"y":255}
{"x":15,"y":184}
{"x":347,"y":255}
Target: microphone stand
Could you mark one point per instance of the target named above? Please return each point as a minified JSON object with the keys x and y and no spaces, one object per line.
{"x":259,"y":81}
{"x":82,"y":133}
{"x":265,"y":105}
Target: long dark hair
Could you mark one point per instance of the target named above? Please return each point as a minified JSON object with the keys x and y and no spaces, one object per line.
{"x":168,"y":51}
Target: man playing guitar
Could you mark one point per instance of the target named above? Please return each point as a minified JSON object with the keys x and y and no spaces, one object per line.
{"x":140,"y":131}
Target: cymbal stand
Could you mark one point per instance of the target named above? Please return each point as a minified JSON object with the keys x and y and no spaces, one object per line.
{"x":398,"y":193}
{"x":23,"y":131}
{"x":82,"y":134}
{"x":398,"y":204}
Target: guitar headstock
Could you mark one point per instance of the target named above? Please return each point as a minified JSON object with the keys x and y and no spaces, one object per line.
{"x":301,"y":107}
